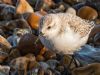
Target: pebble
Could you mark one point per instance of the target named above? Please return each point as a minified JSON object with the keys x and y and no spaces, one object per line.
{"x":87,"y":13}
{"x":49,"y":55}
{"x":29,"y":44}
{"x":44,"y":65}
{"x":52,"y":63}
{"x":23,"y":7}
{"x":33,"y":20}
{"x":40,"y":58}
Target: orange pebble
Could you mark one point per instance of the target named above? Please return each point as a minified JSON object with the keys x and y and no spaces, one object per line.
{"x":4,"y":42}
{"x":7,"y":1}
{"x":43,"y":50}
{"x":33,"y":20}
{"x":24,"y":7}
{"x":48,"y":2}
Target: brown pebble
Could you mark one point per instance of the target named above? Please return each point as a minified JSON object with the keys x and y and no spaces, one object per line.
{"x":18,"y":23}
{"x":87,"y":13}
{"x":19,"y":64}
{"x":41,"y":71}
{"x":13,"y":54}
{"x":89,"y":69}
{"x":49,"y":55}
{"x":43,"y":50}
{"x":29,"y":44}
{"x":48,"y":72}
{"x":4,"y":52}
{"x":6,"y":12}
{"x":24,"y":64}
{"x":39,"y":58}
{"x":97,"y":21}
{"x":60,"y":68}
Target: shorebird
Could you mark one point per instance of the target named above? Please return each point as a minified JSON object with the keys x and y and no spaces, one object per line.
{"x":64,"y":32}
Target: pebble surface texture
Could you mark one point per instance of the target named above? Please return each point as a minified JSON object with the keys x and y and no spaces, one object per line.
{"x":64,"y":33}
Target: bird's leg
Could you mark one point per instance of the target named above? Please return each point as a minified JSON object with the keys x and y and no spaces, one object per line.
{"x":73,"y":57}
{"x":70,"y":62}
{"x":73,"y":60}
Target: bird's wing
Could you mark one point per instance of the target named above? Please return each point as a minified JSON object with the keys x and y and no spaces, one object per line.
{"x":77,"y":24}
{"x":81,"y":27}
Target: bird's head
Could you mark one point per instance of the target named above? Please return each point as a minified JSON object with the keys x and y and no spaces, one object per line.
{"x":49,"y":26}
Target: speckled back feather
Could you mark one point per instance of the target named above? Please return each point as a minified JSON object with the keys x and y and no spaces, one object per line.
{"x":79,"y":25}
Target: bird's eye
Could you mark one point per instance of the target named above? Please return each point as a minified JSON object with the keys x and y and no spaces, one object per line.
{"x":49,"y":27}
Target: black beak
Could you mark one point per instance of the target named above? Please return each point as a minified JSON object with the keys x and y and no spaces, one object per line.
{"x":41,"y":33}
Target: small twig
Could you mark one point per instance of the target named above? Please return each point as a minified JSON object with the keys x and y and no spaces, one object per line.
{"x":36,"y":41}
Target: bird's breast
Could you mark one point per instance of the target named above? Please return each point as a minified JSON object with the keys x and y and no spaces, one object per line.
{"x":68,"y":43}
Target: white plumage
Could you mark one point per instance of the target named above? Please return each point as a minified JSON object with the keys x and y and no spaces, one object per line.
{"x":64,"y":32}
